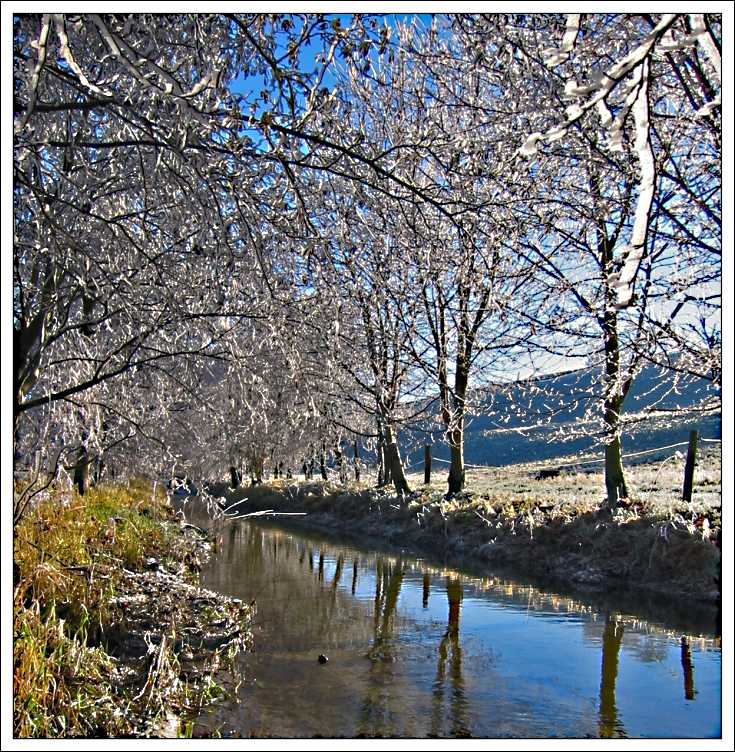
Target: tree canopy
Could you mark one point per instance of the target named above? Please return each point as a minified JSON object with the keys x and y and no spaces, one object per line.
{"x":244,"y":239}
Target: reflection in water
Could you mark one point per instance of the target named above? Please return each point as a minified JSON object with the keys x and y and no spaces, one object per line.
{"x":399,"y":665}
{"x":381,"y":710}
{"x":611,"y":639}
{"x":231,"y":547}
{"x":457,"y":714}
{"x":338,"y":572}
{"x":686,"y":662}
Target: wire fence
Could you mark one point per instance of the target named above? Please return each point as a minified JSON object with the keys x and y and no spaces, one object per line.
{"x":576,"y":463}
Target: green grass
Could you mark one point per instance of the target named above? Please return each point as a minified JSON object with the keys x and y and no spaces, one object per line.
{"x":71,"y":553}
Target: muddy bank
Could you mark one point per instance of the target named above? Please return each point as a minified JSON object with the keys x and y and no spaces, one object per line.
{"x":170,"y":633}
{"x":556,"y":542}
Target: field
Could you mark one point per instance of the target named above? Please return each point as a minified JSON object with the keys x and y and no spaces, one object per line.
{"x":655,"y":487}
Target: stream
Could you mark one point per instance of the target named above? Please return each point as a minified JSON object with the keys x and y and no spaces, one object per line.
{"x":417,"y":649}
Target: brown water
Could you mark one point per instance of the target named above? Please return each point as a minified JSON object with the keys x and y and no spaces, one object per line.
{"x":418,"y":650}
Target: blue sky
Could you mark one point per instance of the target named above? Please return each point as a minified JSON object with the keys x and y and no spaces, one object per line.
{"x":254,"y":84}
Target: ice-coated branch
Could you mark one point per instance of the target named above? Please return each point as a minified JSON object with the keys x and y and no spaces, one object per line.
{"x":632,"y":254}
{"x":40,"y":46}
{"x":553,"y":56}
{"x":69,"y":57}
{"x":599,"y":90}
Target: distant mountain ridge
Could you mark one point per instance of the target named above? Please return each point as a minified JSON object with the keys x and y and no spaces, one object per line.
{"x":494,"y":438}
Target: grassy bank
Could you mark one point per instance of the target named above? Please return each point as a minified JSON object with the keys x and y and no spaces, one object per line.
{"x":552,"y":528}
{"x":112,"y":637}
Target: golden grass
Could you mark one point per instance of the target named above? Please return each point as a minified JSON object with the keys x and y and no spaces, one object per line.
{"x":69,"y":555}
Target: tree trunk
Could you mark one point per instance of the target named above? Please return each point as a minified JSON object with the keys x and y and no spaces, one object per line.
{"x":323,"y":463}
{"x":357,"y":462}
{"x":339,"y":461}
{"x":393,"y":461}
{"x":384,"y":466}
{"x":81,"y":471}
{"x":614,"y":476}
{"x":99,"y":469}
{"x":615,"y":391}
{"x":427,"y":464}
{"x":455,"y":433}
{"x":456,"y":479}
{"x":456,"y":468}
{"x":234,"y":477}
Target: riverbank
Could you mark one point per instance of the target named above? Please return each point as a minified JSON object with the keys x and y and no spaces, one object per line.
{"x":112,"y":635}
{"x":551,"y":528}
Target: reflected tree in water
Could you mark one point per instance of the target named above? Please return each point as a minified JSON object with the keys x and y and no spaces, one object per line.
{"x":686,"y":664}
{"x":381,"y":709}
{"x":232,"y":533}
{"x":338,"y":572}
{"x":612,"y":637}
{"x":450,"y":652}
{"x":426,"y":589}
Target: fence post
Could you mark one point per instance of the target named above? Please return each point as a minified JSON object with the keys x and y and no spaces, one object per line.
{"x":427,"y":464}
{"x":689,"y":468}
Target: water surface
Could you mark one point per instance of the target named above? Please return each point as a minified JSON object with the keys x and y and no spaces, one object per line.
{"x":419,"y":650}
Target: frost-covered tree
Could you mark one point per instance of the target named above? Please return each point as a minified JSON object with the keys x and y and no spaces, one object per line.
{"x":146,"y":196}
{"x":620,"y":180}
{"x":460,"y":260}
{"x":260,"y":235}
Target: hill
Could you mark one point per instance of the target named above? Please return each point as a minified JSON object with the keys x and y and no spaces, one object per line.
{"x":504,"y":429}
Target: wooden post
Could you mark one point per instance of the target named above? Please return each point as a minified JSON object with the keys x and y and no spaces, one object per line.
{"x":689,"y":469}
{"x":357,"y":462}
{"x":427,"y":464}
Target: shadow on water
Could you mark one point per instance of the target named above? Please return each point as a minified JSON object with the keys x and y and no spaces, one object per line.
{"x":420,"y":650}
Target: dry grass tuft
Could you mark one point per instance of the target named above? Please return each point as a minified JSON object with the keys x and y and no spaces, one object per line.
{"x":76,"y":586}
